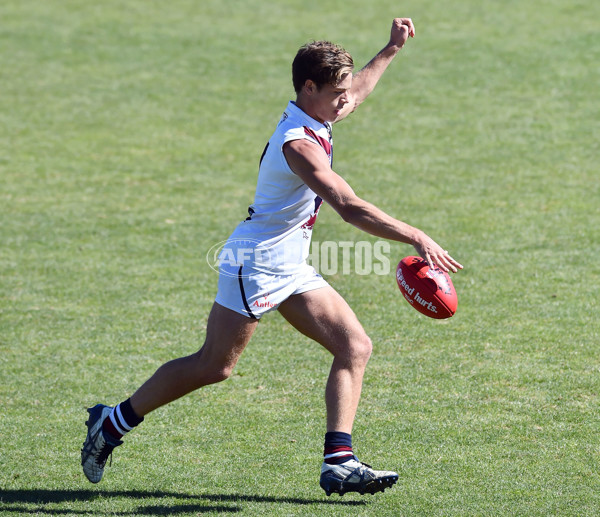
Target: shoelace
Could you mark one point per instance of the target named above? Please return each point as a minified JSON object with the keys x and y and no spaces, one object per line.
{"x":103,"y":455}
{"x":89,"y":444}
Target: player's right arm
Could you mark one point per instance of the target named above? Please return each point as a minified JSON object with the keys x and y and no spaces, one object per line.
{"x":365,"y":80}
{"x":309,"y":162}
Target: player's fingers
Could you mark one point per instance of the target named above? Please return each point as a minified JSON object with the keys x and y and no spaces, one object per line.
{"x":443,"y":261}
{"x":442,"y":264}
{"x":429,"y":260}
{"x":411,"y":27}
{"x":451,"y":263}
{"x":447,"y":260}
{"x":457,"y":264}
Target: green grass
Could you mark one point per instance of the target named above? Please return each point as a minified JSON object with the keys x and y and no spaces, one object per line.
{"x":131,"y":133}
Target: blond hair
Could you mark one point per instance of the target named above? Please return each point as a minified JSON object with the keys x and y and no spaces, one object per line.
{"x":322,"y":62}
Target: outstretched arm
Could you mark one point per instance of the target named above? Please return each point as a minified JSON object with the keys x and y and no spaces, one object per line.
{"x":311,"y":164}
{"x":365,"y":80}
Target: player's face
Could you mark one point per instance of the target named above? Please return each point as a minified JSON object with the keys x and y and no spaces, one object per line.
{"x":329,"y":100}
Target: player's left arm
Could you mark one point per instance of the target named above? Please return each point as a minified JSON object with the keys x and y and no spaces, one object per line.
{"x":310,"y":163}
{"x":365,"y":80}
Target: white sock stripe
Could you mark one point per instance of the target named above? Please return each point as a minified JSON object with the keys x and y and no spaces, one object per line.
{"x":114,"y":422}
{"x":122,"y":420}
{"x":338,"y":454}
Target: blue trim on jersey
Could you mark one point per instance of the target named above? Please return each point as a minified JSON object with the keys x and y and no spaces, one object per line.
{"x":243,"y":293}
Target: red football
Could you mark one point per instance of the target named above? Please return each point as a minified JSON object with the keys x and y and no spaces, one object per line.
{"x":429,"y":290}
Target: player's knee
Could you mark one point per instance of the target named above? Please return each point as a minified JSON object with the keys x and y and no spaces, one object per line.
{"x":210,"y":371}
{"x":218,"y":371}
{"x":212,"y":375}
{"x":220,"y":375}
{"x":367,"y":347}
{"x":362,"y":348}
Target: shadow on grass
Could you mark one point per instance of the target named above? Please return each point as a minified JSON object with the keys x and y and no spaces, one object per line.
{"x":42,"y":498}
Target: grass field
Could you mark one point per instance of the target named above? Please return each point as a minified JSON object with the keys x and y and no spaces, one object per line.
{"x":130,"y":134}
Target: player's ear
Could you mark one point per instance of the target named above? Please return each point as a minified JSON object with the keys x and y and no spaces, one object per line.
{"x":309,"y":87}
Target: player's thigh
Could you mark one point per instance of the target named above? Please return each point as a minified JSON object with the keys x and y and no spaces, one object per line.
{"x":227,"y":334}
{"x":324,"y":316}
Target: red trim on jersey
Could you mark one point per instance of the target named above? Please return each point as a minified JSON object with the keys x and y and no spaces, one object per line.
{"x":308,"y":225}
{"x":323,"y":142}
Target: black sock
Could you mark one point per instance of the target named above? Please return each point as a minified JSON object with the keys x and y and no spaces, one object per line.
{"x":121,"y":420}
{"x":338,"y":448}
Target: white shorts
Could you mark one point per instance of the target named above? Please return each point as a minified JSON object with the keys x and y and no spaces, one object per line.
{"x":254,"y":293}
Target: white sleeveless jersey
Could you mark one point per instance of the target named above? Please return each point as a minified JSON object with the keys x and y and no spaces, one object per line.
{"x":275,"y":238}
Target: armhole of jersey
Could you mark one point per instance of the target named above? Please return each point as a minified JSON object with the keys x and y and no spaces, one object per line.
{"x":291,"y":138}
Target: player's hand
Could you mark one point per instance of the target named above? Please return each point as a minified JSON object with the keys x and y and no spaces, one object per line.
{"x":434,"y":254}
{"x":402,"y":28}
